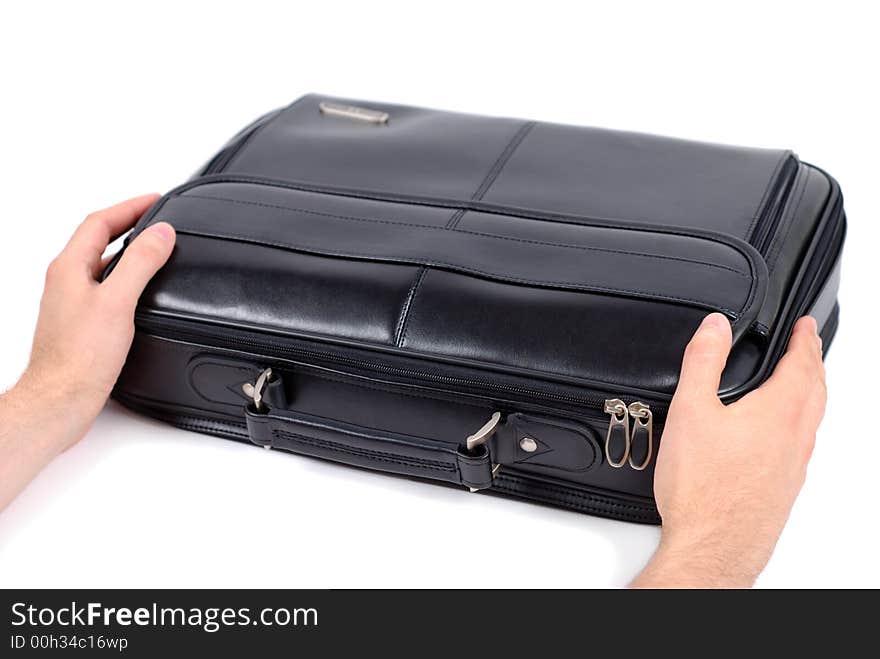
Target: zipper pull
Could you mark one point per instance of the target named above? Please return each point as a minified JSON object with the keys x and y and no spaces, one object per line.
{"x":643,"y":427}
{"x":618,"y":429}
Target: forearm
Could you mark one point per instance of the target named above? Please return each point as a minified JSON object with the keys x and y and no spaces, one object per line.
{"x":35,"y":426}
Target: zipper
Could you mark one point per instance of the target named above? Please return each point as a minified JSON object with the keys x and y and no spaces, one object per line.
{"x":639,"y":412}
{"x":280,"y":347}
{"x":765,"y":228}
{"x":226,"y":154}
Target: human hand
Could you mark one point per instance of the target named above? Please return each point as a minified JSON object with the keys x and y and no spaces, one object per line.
{"x":83,"y":334}
{"x":727,"y":476}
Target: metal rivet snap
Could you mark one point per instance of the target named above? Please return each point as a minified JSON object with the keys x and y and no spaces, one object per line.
{"x":528,"y":445}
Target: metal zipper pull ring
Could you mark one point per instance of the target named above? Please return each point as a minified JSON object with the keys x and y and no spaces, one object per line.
{"x":643,"y":424}
{"x":619,"y":424}
{"x":255,"y":391}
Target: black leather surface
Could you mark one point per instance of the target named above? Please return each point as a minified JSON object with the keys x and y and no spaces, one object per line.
{"x":442,"y":266}
{"x":632,"y":177}
{"x":366,"y":447}
{"x":653,"y":234}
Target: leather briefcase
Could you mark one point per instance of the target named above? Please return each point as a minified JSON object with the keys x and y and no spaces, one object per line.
{"x":494,"y":303}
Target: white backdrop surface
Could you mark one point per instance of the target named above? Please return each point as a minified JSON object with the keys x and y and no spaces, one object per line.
{"x":102,"y":101}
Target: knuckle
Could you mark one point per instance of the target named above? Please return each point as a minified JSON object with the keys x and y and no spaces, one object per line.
{"x":804,"y":365}
{"x":791,"y":414}
{"x":94,"y":219}
{"x":148,"y":247}
{"x":807,"y":446}
{"x":807,"y":371}
{"x":54,"y":270}
{"x":820,"y":395}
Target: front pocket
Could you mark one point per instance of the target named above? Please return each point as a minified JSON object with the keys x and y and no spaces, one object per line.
{"x":710,"y":272}
{"x":604,"y":304}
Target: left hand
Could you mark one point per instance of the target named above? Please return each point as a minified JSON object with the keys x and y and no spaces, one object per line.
{"x":85,"y":328}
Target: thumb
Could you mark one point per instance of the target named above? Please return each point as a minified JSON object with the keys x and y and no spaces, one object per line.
{"x":705,"y":357}
{"x":140,"y":261}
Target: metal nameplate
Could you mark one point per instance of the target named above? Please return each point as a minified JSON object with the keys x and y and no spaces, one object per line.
{"x":353,"y":112}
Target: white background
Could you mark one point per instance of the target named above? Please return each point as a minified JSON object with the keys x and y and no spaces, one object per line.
{"x":104,"y":101}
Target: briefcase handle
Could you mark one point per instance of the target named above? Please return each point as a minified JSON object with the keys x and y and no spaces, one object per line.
{"x":466,"y":464}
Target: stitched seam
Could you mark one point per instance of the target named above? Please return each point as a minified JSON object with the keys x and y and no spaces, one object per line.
{"x":498,"y":165}
{"x":601,"y":508}
{"x":380,"y":456}
{"x":753,"y":291}
{"x":502,"y":160}
{"x":163,"y":343}
{"x":620,"y":224}
{"x":507,"y":278}
{"x":763,"y":201}
{"x":578,"y":495}
{"x":200,"y":427}
{"x":495,"y":171}
{"x":579,"y":502}
{"x":581,"y":506}
{"x":777,"y":249}
{"x":400,"y":333}
{"x":456,"y":216}
{"x":390,"y":389}
{"x":196,"y":422}
{"x":356,"y":218}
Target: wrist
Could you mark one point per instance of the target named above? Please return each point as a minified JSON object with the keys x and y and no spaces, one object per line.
{"x":51,"y":414}
{"x":702,"y":559}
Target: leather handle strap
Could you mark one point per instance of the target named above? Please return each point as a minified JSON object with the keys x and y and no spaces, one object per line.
{"x":398,"y":453}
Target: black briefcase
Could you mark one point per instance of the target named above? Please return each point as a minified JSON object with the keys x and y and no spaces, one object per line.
{"x":493,"y":303}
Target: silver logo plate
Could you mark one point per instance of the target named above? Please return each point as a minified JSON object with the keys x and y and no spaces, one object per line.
{"x":353,"y":112}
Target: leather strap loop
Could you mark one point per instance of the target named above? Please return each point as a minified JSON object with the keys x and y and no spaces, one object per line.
{"x":532,"y":440}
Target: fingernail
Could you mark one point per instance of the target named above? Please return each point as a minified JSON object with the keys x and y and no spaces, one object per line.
{"x":164,"y":230}
{"x":819,"y":339}
{"x":715,"y":321}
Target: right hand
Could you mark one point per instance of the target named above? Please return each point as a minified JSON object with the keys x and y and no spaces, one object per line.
{"x":727,"y":475}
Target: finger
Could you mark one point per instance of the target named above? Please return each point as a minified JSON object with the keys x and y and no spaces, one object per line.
{"x":807,"y":329}
{"x":801,"y":368}
{"x":705,"y":357}
{"x":805,"y":341}
{"x":140,"y":261}
{"x":100,"y":228}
